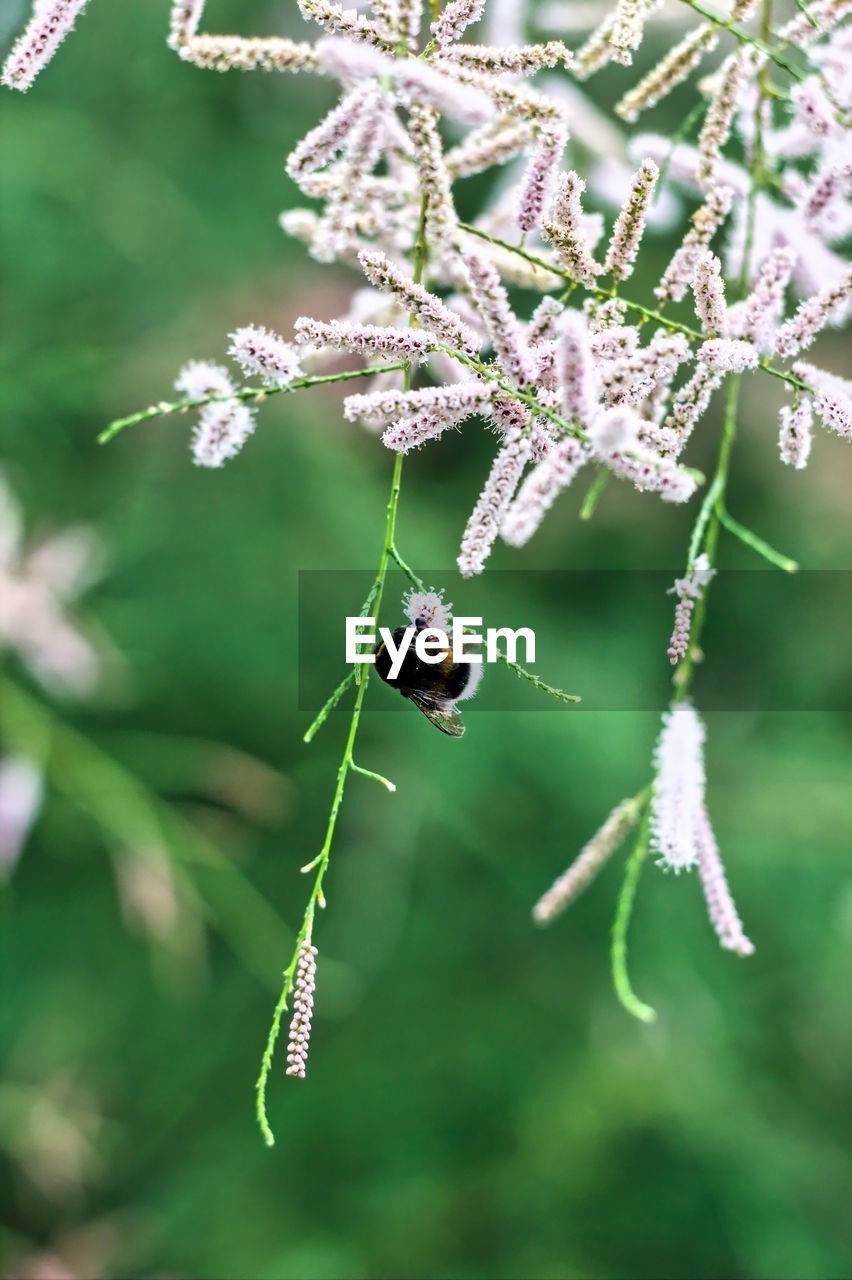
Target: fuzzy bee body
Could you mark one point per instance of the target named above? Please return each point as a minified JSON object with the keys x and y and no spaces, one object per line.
{"x":434,"y":688}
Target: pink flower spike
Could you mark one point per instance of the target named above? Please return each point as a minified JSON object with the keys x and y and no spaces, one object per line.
{"x":47,"y":28}
{"x":537,"y":182}
{"x":587,"y":864}
{"x":505,"y":332}
{"x":303,"y":1008}
{"x":21,"y":791}
{"x":794,"y":436}
{"x":487,"y":516}
{"x":576,"y":372}
{"x":222,"y":430}
{"x":720,"y":904}
{"x":678,"y":796}
{"x":261,"y":353}
{"x":456,"y":17}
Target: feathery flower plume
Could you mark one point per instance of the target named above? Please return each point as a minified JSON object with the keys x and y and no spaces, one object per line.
{"x":21,"y":793}
{"x":832,"y":399}
{"x":709,"y":291}
{"x":763,"y":307}
{"x":614,"y":436}
{"x":543,"y":321}
{"x":380,"y":407}
{"x":824,"y":308}
{"x":606,"y":315}
{"x":261,"y":353}
{"x":222,"y":430}
{"x":320,"y":143}
{"x":688,"y":590}
{"x":720,"y":115}
{"x":183,"y":21}
{"x":577,"y":375}
{"x":200,"y":379}
{"x":565,"y":230}
{"x":338,"y":21}
{"x":537,"y":182}
{"x":678,"y":795}
{"x":823,"y":203}
{"x":351,"y":61}
{"x":728,"y":355}
{"x":456,"y":17}
{"x":303,"y":1009}
{"x":436,"y":183}
{"x":819,"y":19}
{"x":631,"y":377}
{"x":408,"y":344}
{"x":516,"y":60}
{"x":428,"y":608}
{"x":490,"y":145}
{"x":587,"y":864}
{"x":630,"y":223}
{"x":233,"y":53}
{"x":540,"y":489}
{"x":410,"y":18}
{"x":431,"y":312}
{"x":628,"y":27}
{"x":812,"y":106}
{"x":487,"y":516}
{"x":835,"y":412}
{"x":446,"y":407}
{"x":670,"y":72}
{"x":426,"y":83}
{"x":720,"y":904}
{"x":507,"y":96}
{"x":242,"y":53}
{"x":614,"y":343}
{"x":596,"y":52}
{"x":706,"y":220}
{"x":502,"y":325}
{"x":794,"y":435}
{"x":689,"y":405}
{"x":50,"y":23}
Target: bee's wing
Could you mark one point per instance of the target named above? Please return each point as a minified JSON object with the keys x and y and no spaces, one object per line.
{"x":444,"y":715}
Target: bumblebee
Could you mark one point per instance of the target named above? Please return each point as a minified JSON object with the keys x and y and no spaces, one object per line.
{"x":434,"y":688}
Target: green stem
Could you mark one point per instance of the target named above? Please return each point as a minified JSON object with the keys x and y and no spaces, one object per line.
{"x":332,"y":702}
{"x":596,"y":488}
{"x":626,"y":898}
{"x":536,"y":682}
{"x":347,"y":763}
{"x":744,"y":38}
{"x":712,"y":514}
{"x":706,"y":530}
{"x":249,"y":395}
{"x":756,"y":543}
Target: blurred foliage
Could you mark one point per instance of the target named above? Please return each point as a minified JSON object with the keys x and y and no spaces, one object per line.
{"x":477,"y":1104}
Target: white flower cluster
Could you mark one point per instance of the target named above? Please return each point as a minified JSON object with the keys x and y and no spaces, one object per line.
{"x":680,"y":827}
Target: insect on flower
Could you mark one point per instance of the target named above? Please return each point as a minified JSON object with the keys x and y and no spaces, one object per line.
{"x":434,"y":687}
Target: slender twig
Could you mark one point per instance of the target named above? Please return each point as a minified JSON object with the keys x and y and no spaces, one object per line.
{"x":249,"y":395}
{"x":536,"y":682}
{"x":347,"y":763}
{"x":595,"y":490}
{"x":623,"y":912}
{"x":744,"y":38}
{"x":329,"y":706}
{"x":756,"y":543}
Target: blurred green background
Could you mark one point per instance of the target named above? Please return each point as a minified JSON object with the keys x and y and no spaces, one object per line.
{"x":477,"y":1104}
